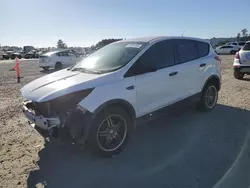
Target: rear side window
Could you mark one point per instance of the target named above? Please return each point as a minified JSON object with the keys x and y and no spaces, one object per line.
{"x":247,"y":46}
{"x":235,"y":44}
{"x":185,"y":50}
{"x":203,"y":48}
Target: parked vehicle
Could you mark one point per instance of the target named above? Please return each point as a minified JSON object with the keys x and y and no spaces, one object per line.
{"x":58,"y":59}
{"x":5,"y":56}
{"x":16,"y":54}
{"x":242,"y":62}
{"x":31,"y":55}
{"x":98,"y":100}
{"x":240,"y":44}
{"x":227,"y":49}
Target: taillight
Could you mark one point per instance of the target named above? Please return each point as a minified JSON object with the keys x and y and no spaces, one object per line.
{"x":237,"y":56}
{"x":217,"y":58}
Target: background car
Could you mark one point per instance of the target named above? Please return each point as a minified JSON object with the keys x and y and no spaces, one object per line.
{"x":240,"y":44}
{"x":227,"y":49}
{"x":242,"y":62}
{"x":16,"y":54}
{"x":58,"y":59}
{"x":31,"y":55}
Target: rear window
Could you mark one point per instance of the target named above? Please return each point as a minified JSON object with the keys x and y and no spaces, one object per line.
{"x":203,"y":48}
{"x":247,"y":46}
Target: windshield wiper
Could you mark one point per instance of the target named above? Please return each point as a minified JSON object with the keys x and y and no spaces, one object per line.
{"x":85,"y":70}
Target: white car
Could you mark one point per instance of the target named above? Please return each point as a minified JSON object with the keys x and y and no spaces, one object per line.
{"x":227,"y":49}
{"x":242,"y":62}
{"x":240,"y":44}
{"x":98,"y":101}
{"x":57,"y":59}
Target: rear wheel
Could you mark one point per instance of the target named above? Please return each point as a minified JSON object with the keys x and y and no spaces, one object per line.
{"x":110,"y":131}
{"x":238,"y":75}
{"x":209,"y":97}
{"x":58,"y":65}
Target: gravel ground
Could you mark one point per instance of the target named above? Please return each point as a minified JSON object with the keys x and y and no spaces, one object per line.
{"x":183,"y":148}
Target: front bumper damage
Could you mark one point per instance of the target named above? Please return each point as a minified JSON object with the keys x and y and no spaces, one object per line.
{"x":74,"y":126}
{"x":38,"y":120}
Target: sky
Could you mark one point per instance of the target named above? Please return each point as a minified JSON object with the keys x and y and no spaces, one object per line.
{"x":85,"y":22}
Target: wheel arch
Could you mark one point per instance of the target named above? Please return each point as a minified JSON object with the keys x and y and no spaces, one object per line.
{"x":213,"y":79}
{"x":118,"y":102}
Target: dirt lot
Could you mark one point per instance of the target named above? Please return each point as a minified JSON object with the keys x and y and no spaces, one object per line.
{"x":184,"y":148}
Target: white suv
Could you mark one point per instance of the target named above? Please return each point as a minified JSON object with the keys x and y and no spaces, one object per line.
{"x":98,"y":100}
{"x":57,"y":59}
{"x":242,"y":62}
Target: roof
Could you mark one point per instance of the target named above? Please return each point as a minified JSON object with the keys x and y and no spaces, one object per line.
{"x":156,"y":38}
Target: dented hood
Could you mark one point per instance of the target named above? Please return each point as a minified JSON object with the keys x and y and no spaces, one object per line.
{"x":58,"y":84}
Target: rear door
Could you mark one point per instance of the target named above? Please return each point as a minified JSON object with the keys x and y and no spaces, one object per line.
{"x":65,"y":58}
{"x":72,"y":58}
{"x":189,"y":68}
{"x":245,"y":54}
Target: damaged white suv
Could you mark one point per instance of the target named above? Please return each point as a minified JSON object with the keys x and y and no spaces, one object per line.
{"x":98,"y":101}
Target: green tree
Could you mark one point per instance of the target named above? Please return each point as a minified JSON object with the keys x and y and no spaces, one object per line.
{"x":244,"y":32}
{"x":221,"y":43}
{"x":61,"y":44}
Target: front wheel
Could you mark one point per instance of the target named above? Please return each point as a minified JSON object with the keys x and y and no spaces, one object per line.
{"x":58,"y":66}
{"x":209,"y":97}
{"x":110,"y":131}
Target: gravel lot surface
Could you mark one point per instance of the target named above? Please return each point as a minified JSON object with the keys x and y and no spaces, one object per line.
{"x":184,"y":148}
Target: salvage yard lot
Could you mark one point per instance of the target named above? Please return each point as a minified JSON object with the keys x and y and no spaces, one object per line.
{"x":184,"y":148}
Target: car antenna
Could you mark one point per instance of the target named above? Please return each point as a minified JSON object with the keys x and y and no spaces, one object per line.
{"x":183,"y":32}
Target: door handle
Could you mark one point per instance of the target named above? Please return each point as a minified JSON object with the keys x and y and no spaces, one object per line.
{"x":173,"y":73}
{"x":130,"y":87}
{"x":203,"y":65}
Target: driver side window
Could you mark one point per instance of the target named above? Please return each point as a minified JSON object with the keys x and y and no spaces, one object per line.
{"x":158,"y":56}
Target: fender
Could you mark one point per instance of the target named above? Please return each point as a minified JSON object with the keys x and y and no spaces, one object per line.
{"x":213,"y":77}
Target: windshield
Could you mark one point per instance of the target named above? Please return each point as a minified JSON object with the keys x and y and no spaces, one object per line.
{"x":111,"y":57}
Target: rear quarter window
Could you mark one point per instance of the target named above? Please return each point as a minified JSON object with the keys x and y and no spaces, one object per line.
{"x":202,"y":48}
{"x":247,"y":46}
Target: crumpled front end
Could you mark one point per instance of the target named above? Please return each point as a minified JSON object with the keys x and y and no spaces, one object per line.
{"x":60,"y":117}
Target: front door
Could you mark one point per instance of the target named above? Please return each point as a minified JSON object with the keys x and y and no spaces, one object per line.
{"x":155,"y":78}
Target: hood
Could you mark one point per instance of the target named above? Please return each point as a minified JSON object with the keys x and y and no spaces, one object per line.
{"x":58,"y":84}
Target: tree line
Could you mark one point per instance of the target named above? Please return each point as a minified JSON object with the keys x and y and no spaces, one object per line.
{"x":243,"y":35}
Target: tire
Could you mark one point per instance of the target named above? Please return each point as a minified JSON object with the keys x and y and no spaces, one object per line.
{"x":45,"y":68}
{"x":233,"y":52}
{"x":58,"y":66}
{"x":207,"y":103}
{"x":99,"y":130}
{"x":238,"y":75}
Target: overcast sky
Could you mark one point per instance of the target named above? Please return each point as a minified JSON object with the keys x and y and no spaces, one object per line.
{"x":85,"y":22}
